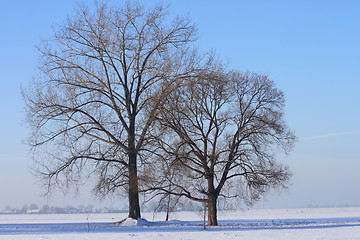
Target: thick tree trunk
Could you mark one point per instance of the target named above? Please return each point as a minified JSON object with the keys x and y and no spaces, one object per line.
{"x":212,"y":201}
{"x":134,"y":206}
{"x":212,"y":210}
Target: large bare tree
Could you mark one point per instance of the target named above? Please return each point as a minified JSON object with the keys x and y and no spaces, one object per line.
{"x":219,"y":133}
{"x":89,"y":111}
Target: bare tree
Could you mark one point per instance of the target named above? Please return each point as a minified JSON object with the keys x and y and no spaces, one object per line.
{"x":220,"y":131}
{"x":166,"y":202}
{"x":89,"y":111}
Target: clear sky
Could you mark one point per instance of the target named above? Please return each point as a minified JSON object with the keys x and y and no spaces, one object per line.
{"x":310,"y":48}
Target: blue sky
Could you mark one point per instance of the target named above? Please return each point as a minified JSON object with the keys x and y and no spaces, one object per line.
{"x":310,"y":48}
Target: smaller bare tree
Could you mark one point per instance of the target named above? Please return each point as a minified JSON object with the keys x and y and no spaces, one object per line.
{"x":220,"y":130}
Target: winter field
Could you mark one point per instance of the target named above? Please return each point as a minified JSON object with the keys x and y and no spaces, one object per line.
{"x":309,"y":223}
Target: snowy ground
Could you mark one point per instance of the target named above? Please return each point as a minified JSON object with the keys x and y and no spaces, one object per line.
{"x":315,"y":223}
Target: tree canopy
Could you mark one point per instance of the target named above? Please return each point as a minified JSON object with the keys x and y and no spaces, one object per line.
{"x":217,"y":139}
{"x":126,"y":99}
{"x":90,"y":107}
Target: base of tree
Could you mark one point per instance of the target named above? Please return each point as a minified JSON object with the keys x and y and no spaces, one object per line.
{"x":128,"y":222}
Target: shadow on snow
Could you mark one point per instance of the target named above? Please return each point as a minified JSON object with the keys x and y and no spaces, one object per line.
{"x":178,"y":226}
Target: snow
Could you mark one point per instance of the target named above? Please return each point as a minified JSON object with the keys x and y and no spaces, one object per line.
{"x":129,"y":222}
{"x":310,"y":223}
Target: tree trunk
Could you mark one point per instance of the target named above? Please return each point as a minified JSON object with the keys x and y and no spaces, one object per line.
{"x":167,"y":208}
{"x":212,"y":210}
{"x":212,"y":201}
{"x":134,"y":206}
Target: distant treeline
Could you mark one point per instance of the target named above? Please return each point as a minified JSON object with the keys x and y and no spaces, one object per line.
{"x":46,"y":209}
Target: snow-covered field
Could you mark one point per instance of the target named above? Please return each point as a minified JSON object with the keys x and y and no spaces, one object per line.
{"x":310,"y":223}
